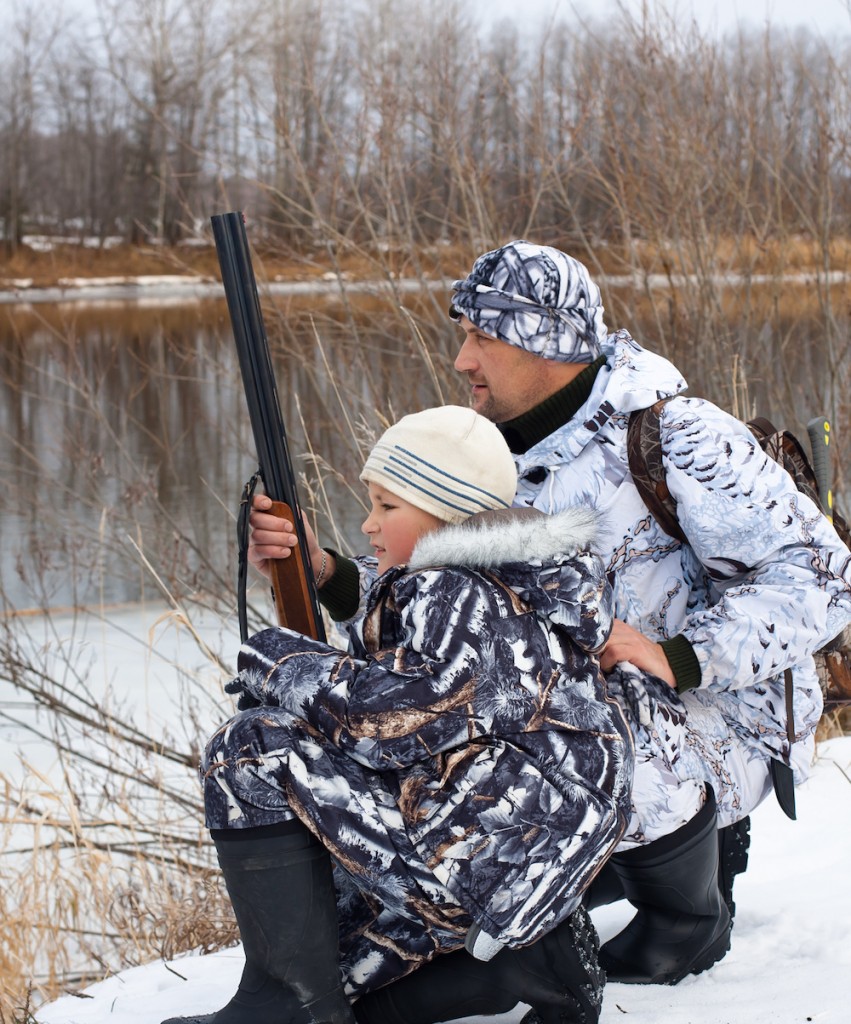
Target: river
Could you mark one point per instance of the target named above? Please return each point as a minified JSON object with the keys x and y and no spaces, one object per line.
{"x":125,"y":442}
{"x":124,"y":427}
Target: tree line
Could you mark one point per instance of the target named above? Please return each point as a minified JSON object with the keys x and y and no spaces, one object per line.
{"x":399,"y":122}
{"x":409,"y":134}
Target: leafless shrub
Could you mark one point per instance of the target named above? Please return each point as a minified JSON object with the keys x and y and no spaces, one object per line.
{"x":697,"y":178}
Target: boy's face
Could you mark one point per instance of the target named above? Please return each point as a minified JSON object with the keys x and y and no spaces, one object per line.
{"x":394,"y":526}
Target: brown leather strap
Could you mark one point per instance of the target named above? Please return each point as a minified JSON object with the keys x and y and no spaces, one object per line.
{"x":644,"y":453}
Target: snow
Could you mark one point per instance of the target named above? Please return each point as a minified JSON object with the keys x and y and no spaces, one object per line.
{"x":789,"y":962}
{"x":182,"y":288}
{"x":179,"y":289}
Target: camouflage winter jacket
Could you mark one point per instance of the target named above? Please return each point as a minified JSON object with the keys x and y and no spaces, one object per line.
{"x":764,"y":581}
{"x":472,"y":698}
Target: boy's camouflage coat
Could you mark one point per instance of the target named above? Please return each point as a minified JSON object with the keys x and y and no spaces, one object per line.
{"x":462,"y":762}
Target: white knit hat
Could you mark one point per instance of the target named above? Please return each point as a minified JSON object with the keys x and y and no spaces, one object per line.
{"x":448,"y":461}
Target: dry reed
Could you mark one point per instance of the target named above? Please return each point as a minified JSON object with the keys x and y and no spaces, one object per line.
{"x":644,"y":152}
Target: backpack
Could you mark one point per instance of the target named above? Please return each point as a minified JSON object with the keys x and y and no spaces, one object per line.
{"x":644,"y":452}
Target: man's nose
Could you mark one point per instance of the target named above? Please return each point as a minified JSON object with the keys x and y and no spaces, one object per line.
{"x":465,"y":360}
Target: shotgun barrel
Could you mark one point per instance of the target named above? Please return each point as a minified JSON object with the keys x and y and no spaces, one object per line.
{"x":293,"y":584}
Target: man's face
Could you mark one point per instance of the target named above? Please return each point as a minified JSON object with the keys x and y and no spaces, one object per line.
{"x":505,"y":380}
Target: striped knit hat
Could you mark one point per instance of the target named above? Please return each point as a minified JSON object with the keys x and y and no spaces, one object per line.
{"x":448,"y":461}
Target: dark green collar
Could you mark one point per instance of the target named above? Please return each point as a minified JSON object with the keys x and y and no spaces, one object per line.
{"x":527,"y":430}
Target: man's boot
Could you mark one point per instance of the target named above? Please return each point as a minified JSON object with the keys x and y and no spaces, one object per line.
{"x":280,"y":883}
{"x":604,"y":890}
{"x":558,"y":975}
{"x":733,"y":843}
{"x":683,"y":925}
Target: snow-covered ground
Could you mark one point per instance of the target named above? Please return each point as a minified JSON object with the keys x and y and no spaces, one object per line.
{"x":790,"y":960}
{"x":170,"y":289}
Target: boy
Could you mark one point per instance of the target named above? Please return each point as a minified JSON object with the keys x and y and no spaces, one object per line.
{"x":461,"y":764}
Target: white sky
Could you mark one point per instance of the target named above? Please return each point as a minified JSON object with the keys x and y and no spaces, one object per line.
{"x":824,"y":17}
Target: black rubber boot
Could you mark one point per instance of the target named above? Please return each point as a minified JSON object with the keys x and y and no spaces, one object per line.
{"x":605,"y":889}
{"x":683,"y":925}
{"x":280,"y":884}
{"x":558,"y":975}
{"x":733,"y":843}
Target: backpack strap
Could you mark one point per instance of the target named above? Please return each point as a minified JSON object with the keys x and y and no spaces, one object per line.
{"x":762,"y":427}
{"x":644,"y":455}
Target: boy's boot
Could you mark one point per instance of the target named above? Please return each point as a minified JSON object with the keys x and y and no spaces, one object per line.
{"x":280,"y":883}
{"x":683,"y":925}
{"x":558,"y":975}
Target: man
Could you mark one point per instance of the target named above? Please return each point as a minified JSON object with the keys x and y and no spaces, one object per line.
{"x":706,"y":628}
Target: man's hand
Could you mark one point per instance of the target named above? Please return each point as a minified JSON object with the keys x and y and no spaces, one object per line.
{"x":627,"y":644}
{"x":274,"y":538}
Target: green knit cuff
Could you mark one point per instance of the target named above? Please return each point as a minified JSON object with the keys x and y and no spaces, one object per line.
{"x":683,"y":662}
{"x":341,"y":594}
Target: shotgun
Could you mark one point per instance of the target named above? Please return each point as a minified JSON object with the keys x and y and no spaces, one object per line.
{"x":293,"y":585}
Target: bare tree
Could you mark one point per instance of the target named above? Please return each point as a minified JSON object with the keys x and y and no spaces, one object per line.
{"x":167,"y":57}
{"x":30,"y":35}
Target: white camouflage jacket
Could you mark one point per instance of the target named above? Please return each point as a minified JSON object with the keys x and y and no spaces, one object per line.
{"x":765,"y":580}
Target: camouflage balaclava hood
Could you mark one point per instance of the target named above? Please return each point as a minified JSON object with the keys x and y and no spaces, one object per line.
{"x":535,"y":297}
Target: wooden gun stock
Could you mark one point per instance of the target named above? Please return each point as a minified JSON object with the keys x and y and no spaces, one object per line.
{"x":290,"y":585}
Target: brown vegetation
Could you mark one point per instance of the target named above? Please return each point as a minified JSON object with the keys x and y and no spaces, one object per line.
{"x":42,"y":269}
{"x":640,"y":148}
{"x":743,"y":255}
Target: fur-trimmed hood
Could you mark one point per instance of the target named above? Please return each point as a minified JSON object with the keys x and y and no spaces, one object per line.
{"x":547,"y":561}
{"x":491,"y":539}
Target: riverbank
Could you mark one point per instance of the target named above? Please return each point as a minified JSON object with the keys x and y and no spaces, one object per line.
{"x":49,"y":269}
{"x":49,"y":266}
{"x":53,"y":281}
{"x":60,"y":272}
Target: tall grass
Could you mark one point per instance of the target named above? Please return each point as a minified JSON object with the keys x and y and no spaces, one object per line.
{"x":662,"y":162}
